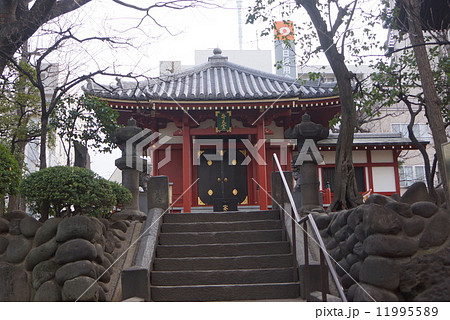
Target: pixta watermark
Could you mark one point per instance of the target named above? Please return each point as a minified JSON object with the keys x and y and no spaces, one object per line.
{"x":136,"y":145}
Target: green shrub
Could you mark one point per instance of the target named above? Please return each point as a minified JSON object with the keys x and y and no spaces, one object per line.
{"x":10,"y":172}
{"x":122,"y":194}
{"x":71,"y":191}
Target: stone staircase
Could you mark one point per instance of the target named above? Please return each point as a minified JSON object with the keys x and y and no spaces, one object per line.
{"x":223,"y":257}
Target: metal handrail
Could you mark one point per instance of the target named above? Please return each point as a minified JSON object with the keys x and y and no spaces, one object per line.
{"x":323,"y":251}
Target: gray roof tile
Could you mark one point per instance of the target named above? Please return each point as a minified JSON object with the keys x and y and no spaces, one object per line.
{"x":218,"y":79}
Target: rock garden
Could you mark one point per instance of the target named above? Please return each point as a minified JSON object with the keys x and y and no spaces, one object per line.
{"x":391,"y":249}
{"x":74,"y":253}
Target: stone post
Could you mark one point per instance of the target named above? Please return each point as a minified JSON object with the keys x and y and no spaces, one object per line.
{"x":130,"y":175}
{"x":158,"y":193}
{"x":278,"y":191}
{"x":307,"y":134}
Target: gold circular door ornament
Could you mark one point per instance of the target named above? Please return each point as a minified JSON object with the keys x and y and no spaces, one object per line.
{"x":210,"y":192}
{"x":209,"y":162}
{"x":226,"y":179}
{"x":218,"y":179}
{"x":235,"y":192}
{"x":234,"y":162}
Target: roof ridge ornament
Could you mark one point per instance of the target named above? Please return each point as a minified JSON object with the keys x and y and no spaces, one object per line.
{"x":217,"y":58}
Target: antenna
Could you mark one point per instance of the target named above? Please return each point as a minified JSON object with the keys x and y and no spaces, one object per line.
{"x":239,"y":7}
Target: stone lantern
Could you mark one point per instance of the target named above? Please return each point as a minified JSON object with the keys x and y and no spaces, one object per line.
{"x":304,"y":166}
{"x":129,"y":164}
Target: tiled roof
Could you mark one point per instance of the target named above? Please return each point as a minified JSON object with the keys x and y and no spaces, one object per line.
{"x":373,"y":139}
{"x":218,"y":79}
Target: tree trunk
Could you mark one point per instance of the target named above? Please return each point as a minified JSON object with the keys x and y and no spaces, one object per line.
{"x":423,"y":151}
{"x":43,"y":142}
{"x":433,"y":103}
{"x":346,"y":193}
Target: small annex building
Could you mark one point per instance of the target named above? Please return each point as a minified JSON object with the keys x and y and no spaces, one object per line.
{"x":219,"y":123}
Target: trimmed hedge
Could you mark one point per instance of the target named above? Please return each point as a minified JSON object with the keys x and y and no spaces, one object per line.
{"x":72,"y":190}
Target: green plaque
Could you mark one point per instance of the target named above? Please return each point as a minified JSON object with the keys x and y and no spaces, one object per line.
{"x":223,"y":121}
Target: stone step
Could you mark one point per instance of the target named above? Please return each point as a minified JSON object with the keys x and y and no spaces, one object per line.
{"x":221,"y":217}
{"x":221,"y":226}
{"x":224,"y":263}
{"x":209,"y":277}
{"x":226,"y":292}
{"x":316,"y":296}
{"x":222,"y":250}
{"x":220,"y":237}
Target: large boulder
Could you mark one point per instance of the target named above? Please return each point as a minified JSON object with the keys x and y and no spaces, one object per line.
{"x":78,"y":227}
{"x":401,"y":208}
{"x":379,"y":219}
{"x":48,"y":292}
{"x":102,"y":272}
{"x":43,"y":252}
{"x":416,"y":192}
{"x":4,"y":226}
{"x":18,"y":249}
{"x":80,"y":289}
{"x":14,"y":284}
{"x":379,"y":199}
{"x":424,"y":208}
{"x":15,"y":215}
{"x":355,"y":217}
{"x":123,"y":227}
{"x":322,"y":220}
{"x":390,"y":246}
{"x":368,"y":293}
{"x":14,"y":227}
{"x":47,"y":231}
{"x":3,"y":244}
{"x":380,"y":272}
{"x":75,"y":269}
{"x":43,"y":272}
{"x":414,"y":226}
{"x":354,"y":270}
{"x":74,"y":250}
{"x":29,"y":226}
{"x":436,"y":232}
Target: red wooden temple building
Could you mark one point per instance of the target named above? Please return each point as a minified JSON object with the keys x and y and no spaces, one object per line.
{"x":220,"y":123}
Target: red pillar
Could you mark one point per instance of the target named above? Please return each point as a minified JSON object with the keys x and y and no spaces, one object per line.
{"x":187,"y":165}
{"x":262,"y":174}
{"x":369,"y":169}
{"x":395,"y":154}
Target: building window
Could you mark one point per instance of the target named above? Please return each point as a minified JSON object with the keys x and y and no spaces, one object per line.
{"x":411,"y":174}
{"x":420,"y":130}
{"x":328,"y":178}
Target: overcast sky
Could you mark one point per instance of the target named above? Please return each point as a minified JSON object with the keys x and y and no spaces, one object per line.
{"x":191,"y":29}
{"x":187,"y":30}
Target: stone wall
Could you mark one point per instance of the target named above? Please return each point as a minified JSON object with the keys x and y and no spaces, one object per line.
{"x":59,"y":260}
{"x":394,"y":250}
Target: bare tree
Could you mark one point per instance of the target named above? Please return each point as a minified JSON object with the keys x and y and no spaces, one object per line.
{"x":331,"y":24}
{"x":20,"y":19}
{"x":433,"y":103}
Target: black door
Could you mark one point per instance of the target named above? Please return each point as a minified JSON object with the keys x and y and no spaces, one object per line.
{"x":222,"y":179}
